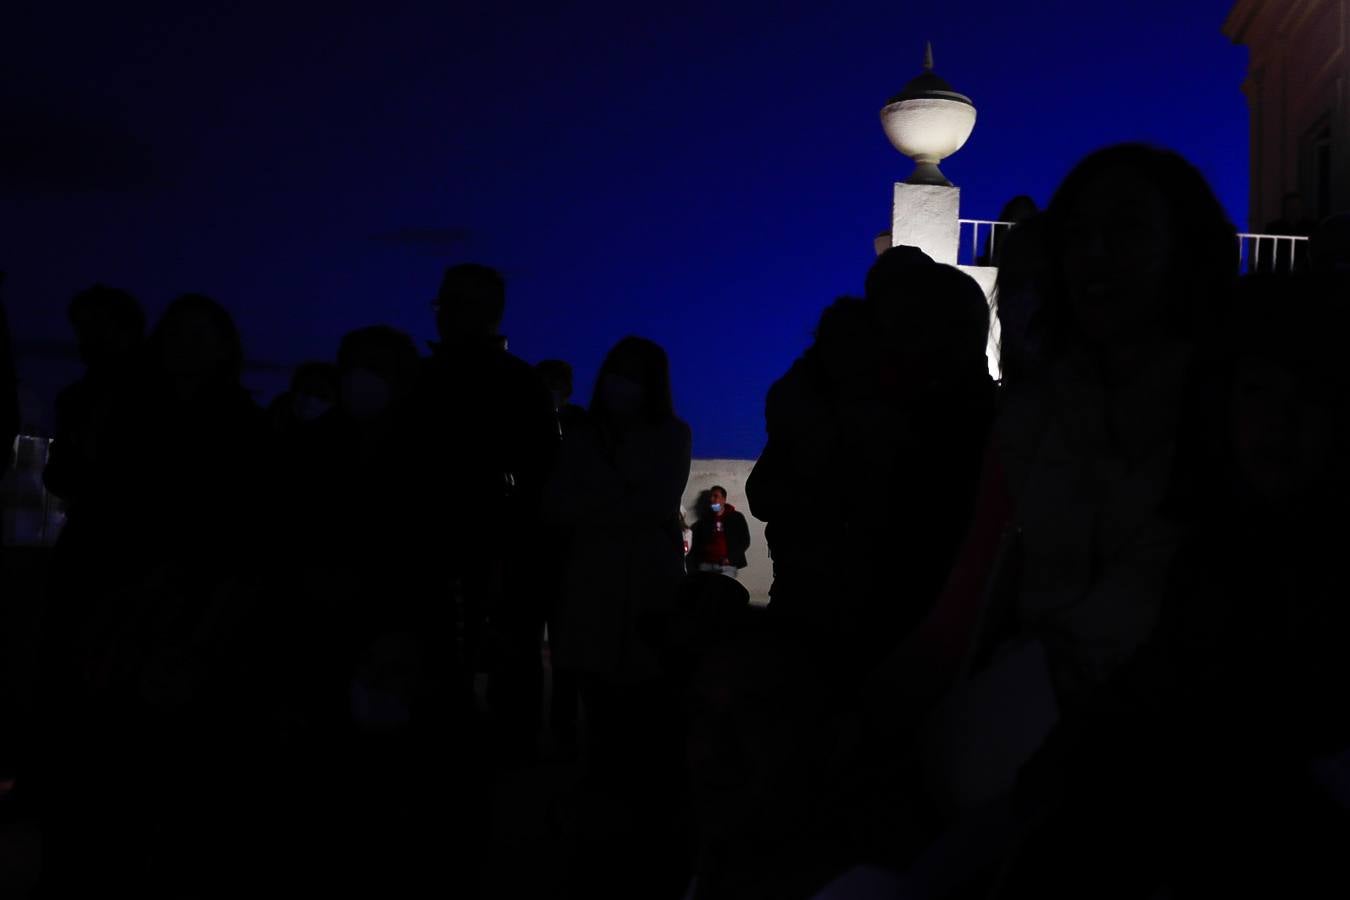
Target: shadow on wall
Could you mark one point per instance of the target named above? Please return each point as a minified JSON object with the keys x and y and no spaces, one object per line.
{"x":732,"y":474}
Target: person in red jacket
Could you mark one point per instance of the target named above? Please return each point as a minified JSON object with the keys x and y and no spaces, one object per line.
{"x":721,"y":536}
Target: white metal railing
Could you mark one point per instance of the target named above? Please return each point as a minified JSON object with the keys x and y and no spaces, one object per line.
{"x":978,"y":242}
{"x":1271,"y":252}
{"x":969,"y":250}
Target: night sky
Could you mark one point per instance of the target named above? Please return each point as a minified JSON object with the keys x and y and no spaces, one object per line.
{"x":709,"y":175}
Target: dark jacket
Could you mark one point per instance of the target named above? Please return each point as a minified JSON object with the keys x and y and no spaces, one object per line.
{"x":477,"y":443}
{"x":480,"y":437}
{"x":737,"y":532}
{"x":905,"y":471}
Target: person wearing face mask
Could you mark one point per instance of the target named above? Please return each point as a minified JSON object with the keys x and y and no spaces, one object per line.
{"x":336,"y":469}
{"x":362,"y":662}
{"x":721,"y":536}
{"x":617,"y":487}
{"x":342,"y":465}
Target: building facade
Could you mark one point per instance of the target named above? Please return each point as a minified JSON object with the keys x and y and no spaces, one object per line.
{"x":1296,"y":87}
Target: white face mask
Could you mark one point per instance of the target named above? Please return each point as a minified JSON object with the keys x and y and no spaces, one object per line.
{"x":620,"y":395}
{"x":717,"y":507}
{"x":308,"y":407}
{"x":364,"y":394}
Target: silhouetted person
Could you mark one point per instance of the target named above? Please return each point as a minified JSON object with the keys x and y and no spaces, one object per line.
{"x":1214,"y":762}
{"x":887,"y":419}
{"x":618,"y":486}
{"x":888,"y":265}
{"x":481,"y":436}
{"x":939,"y":403}
{"x":720,"y":536}
{"x":109,"y":331}
{"x":1062,"y":574}
{"x":350,"y":512}
{"x":151,"y":629}
{"x":383,"y":669}
{"x":805,"y":457}
{"x":1122,"y":320}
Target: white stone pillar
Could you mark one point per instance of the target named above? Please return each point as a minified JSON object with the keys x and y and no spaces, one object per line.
{"x":927,"y":216}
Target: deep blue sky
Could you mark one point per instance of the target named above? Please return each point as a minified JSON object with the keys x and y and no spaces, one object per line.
{"x":709,"y":175}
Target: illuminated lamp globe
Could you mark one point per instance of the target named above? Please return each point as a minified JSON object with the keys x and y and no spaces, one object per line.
{"x":928,"y":121}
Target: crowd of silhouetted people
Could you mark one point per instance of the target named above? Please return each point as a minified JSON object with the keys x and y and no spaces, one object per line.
{"x":424,"y":627}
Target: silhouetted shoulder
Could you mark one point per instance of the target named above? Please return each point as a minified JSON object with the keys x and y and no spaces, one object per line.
{"x":797,"y":396}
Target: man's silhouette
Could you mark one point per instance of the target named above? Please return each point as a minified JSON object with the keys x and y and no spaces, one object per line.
{"x":480,"y":441}
{"x":109,"y":330}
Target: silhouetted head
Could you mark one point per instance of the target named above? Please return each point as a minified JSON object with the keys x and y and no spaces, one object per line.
{"x":709,"y":608}
{"x":377,"y":365}
{"x":1138,"y":250}
{"x":1329,"y":245}
{"x":109,"y":324}
{"x":1018,"y":209}
{"x":314,"y":390}
{"x":633,"y":387}
{"x":846,"y":347}
{"x":196,"y":341}
{"x":557,"y":377}
{"x":933,"y":323}
{"x":890,"y":267}
{"x":470,"y":303}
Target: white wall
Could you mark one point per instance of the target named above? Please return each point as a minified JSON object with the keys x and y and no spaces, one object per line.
{"x":987,"y":277}
{"x":732,"y":474}
{"x":927,"y":216}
